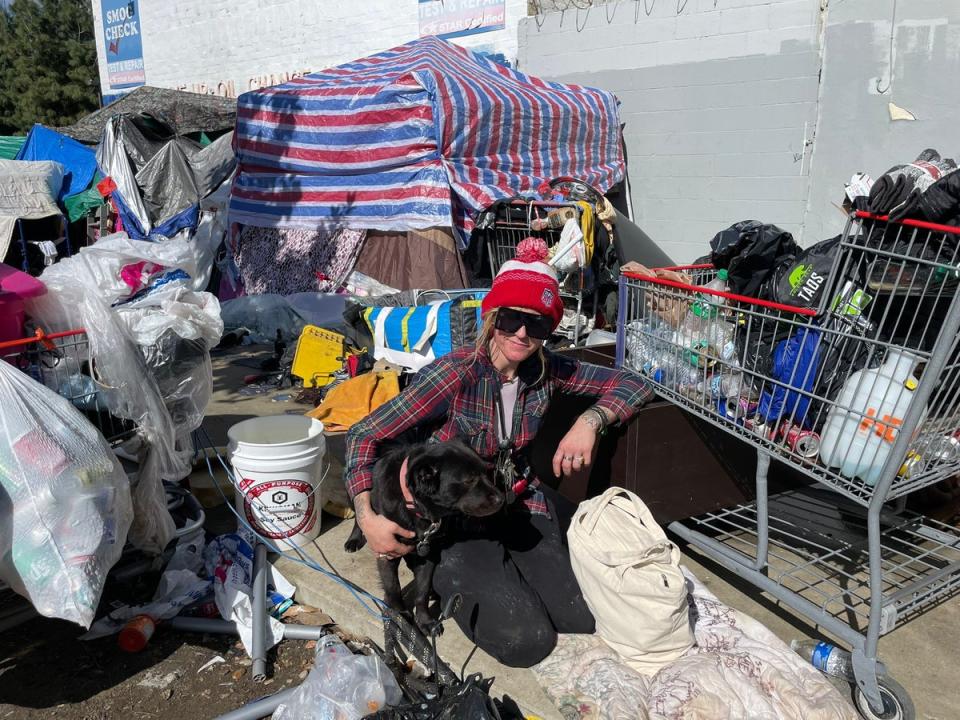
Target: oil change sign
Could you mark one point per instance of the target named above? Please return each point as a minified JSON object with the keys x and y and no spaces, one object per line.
{"x":457,"y":18}
{"x":121,"y":39}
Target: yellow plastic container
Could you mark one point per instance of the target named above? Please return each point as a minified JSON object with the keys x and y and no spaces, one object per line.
{"x":320,"y":354}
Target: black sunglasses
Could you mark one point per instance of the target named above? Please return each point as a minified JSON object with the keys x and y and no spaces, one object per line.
{"x":538,"y":327}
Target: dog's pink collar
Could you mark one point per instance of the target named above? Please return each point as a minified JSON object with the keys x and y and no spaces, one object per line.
{"x":404,"y":489}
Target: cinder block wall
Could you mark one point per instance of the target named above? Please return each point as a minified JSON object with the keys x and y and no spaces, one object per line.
{"x":761,"y":109}
{"x":718,"y":104}
{"x":210,"y":45}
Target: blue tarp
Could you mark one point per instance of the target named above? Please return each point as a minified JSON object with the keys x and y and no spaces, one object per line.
{"x":79,"y":161}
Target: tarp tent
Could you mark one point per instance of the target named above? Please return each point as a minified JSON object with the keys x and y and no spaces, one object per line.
{"x":160,"y":177}
{"x":79,"y":162}
{"x":183,"y":112}
{"x":418,"y":136}
{"x":28,"y":190}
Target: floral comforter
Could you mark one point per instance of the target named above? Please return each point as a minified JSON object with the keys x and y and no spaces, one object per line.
{"x":738,"y":669}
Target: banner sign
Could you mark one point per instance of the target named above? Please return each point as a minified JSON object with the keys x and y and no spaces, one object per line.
{"x":122,"y":42}
{"x":455,"y":18}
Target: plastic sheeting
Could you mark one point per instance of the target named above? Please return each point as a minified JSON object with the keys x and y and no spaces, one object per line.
{"x":82,"y":292}
{"x":79,"y":162}
{"x":66,"y":501}
{"x":160,"y":181}
{"x":27,"y":190}
{"x":182,"y":112}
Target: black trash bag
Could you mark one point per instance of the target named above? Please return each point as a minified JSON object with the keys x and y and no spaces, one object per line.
{"x":750,"y":251}
{"x":900,"y":186}
{"x":471,"y":699}
{"x":803,"y":281}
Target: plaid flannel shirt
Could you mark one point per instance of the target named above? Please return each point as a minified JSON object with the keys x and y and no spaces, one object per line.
{"x":456,"y":394}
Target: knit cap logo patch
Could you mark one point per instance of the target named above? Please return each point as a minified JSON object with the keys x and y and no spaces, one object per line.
{"x":546,"y":299}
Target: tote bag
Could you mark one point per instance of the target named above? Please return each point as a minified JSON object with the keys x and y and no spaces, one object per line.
{"x":629,"y":573}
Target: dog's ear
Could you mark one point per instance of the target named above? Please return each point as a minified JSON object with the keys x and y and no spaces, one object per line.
{"x":424,"y":475}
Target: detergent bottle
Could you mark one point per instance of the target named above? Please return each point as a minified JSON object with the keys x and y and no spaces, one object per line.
{"x":858,"y":441}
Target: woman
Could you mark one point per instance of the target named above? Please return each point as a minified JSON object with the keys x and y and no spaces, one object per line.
{"x":512,"y":570}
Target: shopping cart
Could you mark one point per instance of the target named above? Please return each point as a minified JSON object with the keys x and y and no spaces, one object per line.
{"x":860,"y":393}
{"x":62,"y":362}
{"x":528,"y":218}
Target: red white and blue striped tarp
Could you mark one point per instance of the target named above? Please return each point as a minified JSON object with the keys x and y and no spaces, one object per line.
{"x":423,"y":135}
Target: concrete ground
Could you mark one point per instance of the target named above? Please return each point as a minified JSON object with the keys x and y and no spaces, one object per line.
{"x":921,"y":655}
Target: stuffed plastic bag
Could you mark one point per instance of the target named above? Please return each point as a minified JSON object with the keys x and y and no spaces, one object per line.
{"x":65,"y":505}
{"x":750,"y":251}
{"x":796,"y":361}
{"x":341,"y":686}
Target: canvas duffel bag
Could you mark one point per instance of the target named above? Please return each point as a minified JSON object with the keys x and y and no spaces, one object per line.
{"x":629,"y":573}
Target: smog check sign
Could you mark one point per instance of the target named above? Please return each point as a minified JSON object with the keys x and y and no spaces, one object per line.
{"x":122,"y":43}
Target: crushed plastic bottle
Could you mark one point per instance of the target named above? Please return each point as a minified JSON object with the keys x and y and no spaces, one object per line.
{"x":672,"y":372}
{"x":647,"y":340}
{"x":825,"y":657}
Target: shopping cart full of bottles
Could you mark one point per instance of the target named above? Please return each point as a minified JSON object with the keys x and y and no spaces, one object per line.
{"x":860,"y":392}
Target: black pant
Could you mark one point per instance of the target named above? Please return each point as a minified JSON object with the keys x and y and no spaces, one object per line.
{"x":517,"y":585}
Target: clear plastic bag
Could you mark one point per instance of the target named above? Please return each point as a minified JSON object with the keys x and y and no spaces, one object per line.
{"x":65,"y":506}
{"x":341,"y":686}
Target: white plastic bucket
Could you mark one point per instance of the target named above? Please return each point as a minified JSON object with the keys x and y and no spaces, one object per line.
{"x":276,"y":462}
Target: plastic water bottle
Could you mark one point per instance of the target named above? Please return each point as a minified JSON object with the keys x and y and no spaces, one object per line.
{"x":647,"y":340}
{"x":719,"y":283}
{"x":672,"y":372}
{"x":727,"y":385}
{"x":825,"y":657}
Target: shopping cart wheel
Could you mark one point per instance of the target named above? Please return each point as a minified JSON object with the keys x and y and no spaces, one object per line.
{"x":897,"y":704}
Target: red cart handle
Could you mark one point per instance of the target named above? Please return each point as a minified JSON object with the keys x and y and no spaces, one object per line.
{"x":40,"y":337}
{"x":807,"y":312}
{"x":863,"y":215}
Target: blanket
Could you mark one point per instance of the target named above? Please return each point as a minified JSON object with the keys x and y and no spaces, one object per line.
{"x":738,"y":669}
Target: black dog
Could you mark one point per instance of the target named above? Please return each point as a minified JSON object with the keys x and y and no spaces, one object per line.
{"x":445,"y":480}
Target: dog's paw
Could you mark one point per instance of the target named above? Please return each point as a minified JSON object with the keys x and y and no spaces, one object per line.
{"x":355,"y":541}
{"x":353,"y":544}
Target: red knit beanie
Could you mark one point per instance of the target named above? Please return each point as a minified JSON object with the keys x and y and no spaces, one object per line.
{"x":527,"y":282}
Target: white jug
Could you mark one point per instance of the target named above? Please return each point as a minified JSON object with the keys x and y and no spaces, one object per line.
{"x":858,"y":441}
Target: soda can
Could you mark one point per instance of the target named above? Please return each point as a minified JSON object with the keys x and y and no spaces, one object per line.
{"x":757,"y":425}
{"x":804,"y":443}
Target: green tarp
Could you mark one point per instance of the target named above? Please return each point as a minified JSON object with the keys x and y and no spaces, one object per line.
{"x":80,"y":204}
{"x":10,"y":145}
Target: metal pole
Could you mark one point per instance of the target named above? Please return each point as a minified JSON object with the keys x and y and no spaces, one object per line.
{"x":621,"y":320}
{"x":226,"y":627}
{"x":260,"y":618}
{"x":763,"y":516}
{"x":260,"y":708}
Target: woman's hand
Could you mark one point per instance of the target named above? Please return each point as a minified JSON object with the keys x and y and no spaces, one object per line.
{"x":381,"y":532}
{"x":575,"y":450}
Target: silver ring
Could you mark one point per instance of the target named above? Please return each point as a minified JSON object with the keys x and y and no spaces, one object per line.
{"x":568,"y":458}
{"x":580,"y":458}
{"x":381,"y":555}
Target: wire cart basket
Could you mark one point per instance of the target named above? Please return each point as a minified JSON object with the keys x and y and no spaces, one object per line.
{"x":526,"y":218}
{"x":861,"y":393}
{"x":62,"y":362}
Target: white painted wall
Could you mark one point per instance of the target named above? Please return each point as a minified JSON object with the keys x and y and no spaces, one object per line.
{"x":223,"y":46}
{"x":758,"y":109}
{"x":718,"y":103}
